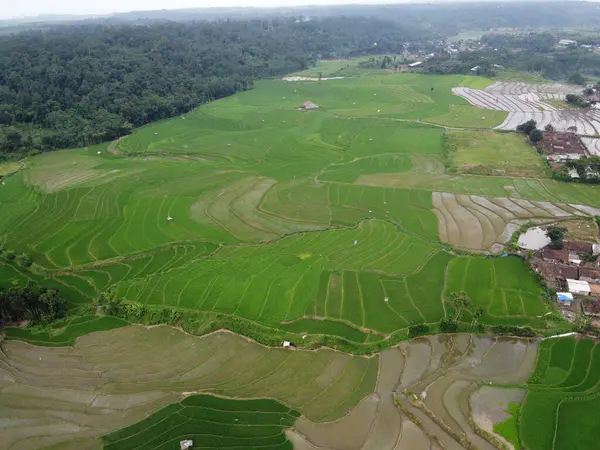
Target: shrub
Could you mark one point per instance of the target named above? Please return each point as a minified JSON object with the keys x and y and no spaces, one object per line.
{"x":514,"y":330}
{"x":527,"y":127}
{"x":448,"y":326}
{"x":535,"y":136}
{"x":556,"y":235}
{"x":418,"y":330}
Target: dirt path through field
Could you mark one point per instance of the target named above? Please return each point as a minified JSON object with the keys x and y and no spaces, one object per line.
{"x":112,"y":147}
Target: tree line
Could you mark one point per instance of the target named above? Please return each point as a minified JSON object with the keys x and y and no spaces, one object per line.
{"x":73,"y":86}
{"x":31,"y":302}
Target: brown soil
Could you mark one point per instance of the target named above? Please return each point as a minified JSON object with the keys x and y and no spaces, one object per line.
{"x":112,"y":147}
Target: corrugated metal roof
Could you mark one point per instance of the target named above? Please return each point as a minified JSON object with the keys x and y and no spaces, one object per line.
{"x":578,"y":286}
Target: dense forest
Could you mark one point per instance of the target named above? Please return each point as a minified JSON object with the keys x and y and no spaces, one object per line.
{"x":78,"y":85}
{"x":32,"y":302}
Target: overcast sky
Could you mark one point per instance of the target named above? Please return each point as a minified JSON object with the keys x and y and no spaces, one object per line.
{"x":22,"y":8}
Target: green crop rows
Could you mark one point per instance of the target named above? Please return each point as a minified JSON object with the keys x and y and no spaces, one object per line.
{"x":560,"y":409}
{"x":210,"y":422}
{"x":317,"y":222}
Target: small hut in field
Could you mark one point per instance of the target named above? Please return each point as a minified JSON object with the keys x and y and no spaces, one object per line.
{"x":308,"y":105}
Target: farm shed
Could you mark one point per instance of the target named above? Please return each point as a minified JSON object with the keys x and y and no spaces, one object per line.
{"x":564,"y":298}
{"x":578,"y":287}
{"x":552,"y":255}
{"x":596,"y":249}
{"x":415,"y":64}
{"x":309,"y":105}
{"x":287,"y":344}
{"x":595,"y":290}
{"x":184,"y":445}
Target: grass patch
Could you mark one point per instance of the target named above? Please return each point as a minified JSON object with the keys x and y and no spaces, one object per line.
{"x":493,"y":153}
{"x":463,"y":116}
{"x":8,"y":168}
{"x":519,"y":76}
{"x":509,"y":429}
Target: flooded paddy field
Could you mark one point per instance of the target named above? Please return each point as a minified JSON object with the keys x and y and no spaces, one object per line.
{"x":423,"y":394}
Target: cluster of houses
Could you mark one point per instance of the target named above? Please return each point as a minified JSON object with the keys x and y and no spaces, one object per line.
{"x":565,"y":43}
{"x":562,"y":146}
{"x":572,"y":271}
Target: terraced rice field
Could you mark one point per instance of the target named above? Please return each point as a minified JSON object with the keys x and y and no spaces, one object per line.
{"x":130,"y":377}
{"x":592,"y":145}
{"x":562,"y":395}
{"x":335,"y":222}
{"x":524,"y":102}
{"x":486,"y":223}
{"x":210,"y":422}
{"x":294,"y":220}
{"x":112,"y":379}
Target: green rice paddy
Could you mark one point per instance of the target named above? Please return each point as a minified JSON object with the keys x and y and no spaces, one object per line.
{"x":560,"y":409}
{"x":317,"y":222}
{"x":210,"y":422}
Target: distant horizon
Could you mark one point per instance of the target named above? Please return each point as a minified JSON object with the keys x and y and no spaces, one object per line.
{"x":29,"y":9}
{"x":32,"y":9}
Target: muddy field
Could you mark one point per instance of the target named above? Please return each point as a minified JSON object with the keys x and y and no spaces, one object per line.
{"x":416,"y":396}
{"x":113,"y":379}
{"x":479,"y":223}
{"x":432,"y":381}
{"x":524,"y":102}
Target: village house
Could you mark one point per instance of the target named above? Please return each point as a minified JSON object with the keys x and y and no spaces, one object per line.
{"x":578,"y":246}
{"x":555,"y":256}
{"x":553,"y":271}
{"x":589,"y":274}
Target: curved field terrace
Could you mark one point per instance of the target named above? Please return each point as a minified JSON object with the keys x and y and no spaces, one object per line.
{"x":415,"y":396}
{"x":524,"y":102}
